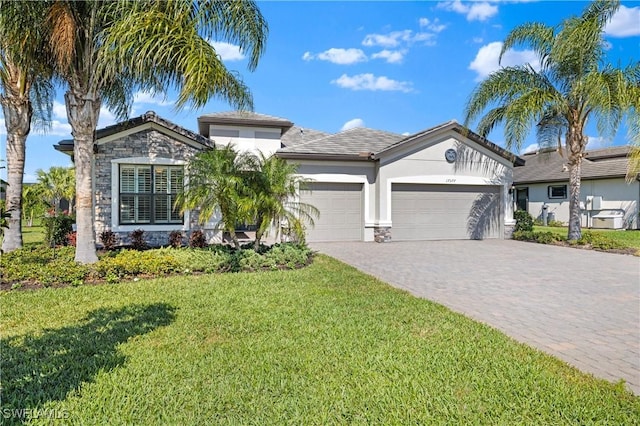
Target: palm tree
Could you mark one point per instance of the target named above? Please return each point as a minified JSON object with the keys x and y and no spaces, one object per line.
{"x":56,"y":184}
{"x":217,"y":183}
{"x":25,"y":94}
{"x":572,"y":86}
{"x":106,"y":50}
{"x":33,"y":203}
{"x":275,"y":186}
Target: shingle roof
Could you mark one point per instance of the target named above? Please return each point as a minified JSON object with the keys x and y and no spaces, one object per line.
{"x":550,"y":166}
{"x":148,"y":117}
{"x":298,"y":135}
{"x":357,"y":142}
{"x":245,"y":118}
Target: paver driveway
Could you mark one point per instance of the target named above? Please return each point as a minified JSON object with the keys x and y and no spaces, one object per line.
{"x":581,"y":306}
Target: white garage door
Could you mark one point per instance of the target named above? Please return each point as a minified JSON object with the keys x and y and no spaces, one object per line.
{"x":445,"y":212}
{"x":340,"y":206}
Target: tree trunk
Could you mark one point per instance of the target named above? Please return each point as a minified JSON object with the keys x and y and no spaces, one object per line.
{"x":575,"y":144}
{"x":17,"y":115}
{"x":83,"y":112}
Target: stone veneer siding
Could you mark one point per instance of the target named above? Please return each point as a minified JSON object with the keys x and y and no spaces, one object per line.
{"x":382,"y":234}
{"x":145,"y":143}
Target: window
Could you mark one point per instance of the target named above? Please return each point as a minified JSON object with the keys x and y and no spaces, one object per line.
{"x":557,"y":191}
{"x":147,"y":194}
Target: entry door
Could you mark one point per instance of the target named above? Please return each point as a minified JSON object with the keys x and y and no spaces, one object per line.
{"x":522,"y":199}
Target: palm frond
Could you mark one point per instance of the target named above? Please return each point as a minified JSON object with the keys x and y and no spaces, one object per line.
{"x":536,"y":36}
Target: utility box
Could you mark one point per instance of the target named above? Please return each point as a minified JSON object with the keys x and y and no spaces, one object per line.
{"x":596,"y":203}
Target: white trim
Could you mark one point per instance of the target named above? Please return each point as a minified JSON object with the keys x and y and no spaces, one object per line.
{"x":115,"y":196}
{"x":150,"y":126}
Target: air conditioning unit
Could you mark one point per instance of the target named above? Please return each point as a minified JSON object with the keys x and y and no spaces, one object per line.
{"x":608,"y":219}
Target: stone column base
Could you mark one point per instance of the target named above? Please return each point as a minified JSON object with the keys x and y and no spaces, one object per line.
{"x":382,"y":234}
{"x":508,"y":231}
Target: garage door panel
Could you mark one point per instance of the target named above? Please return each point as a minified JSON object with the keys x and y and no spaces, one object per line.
{"x":340,"y":206}
{"x":430,"y":212}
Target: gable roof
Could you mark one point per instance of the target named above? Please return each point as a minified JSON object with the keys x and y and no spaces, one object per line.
{"x":550,"y":166}
{"x":362,"y":143}
{"x":242,"y":118}
{"x":66,"y":146}
{"x":463,"y":131}
{"x":359,"y":143}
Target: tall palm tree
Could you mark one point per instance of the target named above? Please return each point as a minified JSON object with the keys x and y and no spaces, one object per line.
{"x":275,"y":186}
{"x":217,"y":183}
{"x":104,"y":50}
{"x":25,"y":94}
{"x":572,"y":86}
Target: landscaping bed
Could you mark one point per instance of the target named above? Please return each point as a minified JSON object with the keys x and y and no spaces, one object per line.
{"x":37,"y":266}
{"x":590,"y":240}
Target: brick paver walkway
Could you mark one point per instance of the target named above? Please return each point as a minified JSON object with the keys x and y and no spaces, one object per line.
{"x":581,"y":306}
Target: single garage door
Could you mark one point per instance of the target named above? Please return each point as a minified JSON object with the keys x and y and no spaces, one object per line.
{"x":340,"y":206}
{"x":445,"y":212}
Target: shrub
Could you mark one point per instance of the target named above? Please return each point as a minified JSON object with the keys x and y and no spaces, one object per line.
{"x":57,"y":227}
{"x":555,"y":224}
{"x":108,"y":239}
{"x":71,"y":238}
{"x":43,"y":265}
{"x":599,"y":241}
{"x":175,"y":239}
{"x":546,"y":237}
{"x":524,"y":221}
{"x":130,"y":263}
{"x":197,"y":239}
{"x":137,"y":240}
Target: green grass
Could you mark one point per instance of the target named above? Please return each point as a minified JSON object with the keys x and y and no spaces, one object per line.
{"x":321,"y":345}
{"x":629,"y":238}
{"x":33,"y":235}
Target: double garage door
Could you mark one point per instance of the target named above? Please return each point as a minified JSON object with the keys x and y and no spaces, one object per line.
{"x":419,"y":212}
{"x":445,"y":212}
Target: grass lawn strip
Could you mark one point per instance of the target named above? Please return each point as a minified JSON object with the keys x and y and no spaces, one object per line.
{"x":321,"y":345}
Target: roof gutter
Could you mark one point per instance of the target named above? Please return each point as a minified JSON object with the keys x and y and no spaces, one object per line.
{"x":326,"y":157}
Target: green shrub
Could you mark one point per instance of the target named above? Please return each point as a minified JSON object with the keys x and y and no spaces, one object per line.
{"x":201,"y":260}
{"x":555,"y":224}
{"x":130,"y":263}
{"x":43,"y":265}
{"x":544,"y":237}
{"x":599,"y":241}
{"x":56,"y":229}
{"x":524,"y":221}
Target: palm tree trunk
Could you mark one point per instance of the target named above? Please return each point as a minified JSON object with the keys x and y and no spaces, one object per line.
{"x":83,"y":112}
{"x":575,"y":144}
{"x":17,"y":115}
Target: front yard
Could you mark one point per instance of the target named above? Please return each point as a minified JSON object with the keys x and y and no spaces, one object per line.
{"x":320,"y":345}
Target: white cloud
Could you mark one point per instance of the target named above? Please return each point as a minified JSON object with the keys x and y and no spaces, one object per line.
{"x":352,"y":124}
{"x":106,"y":118}
{"x":486,"y":60}
{"x":474,"y":11}
{"x":338,"y":56}
{"x":597,"y":142}
{"x":391,"y":56}
{"x":405,"y":133}
{"x":227,"y":51}
{"x":478,"y":40}
{"x":625,"y":23}
{"x":58,"y":128}
{"x":3,"y":127}
{"x":434,"y":25}
{"x":371,"y":82}
{"x":59,"y":110}
{"x":146,"y":98}
{"x":395,"y":38}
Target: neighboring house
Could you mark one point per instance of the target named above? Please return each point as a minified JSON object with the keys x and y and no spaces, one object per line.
{"x":369,"y":185}
{"x":607,"y":199}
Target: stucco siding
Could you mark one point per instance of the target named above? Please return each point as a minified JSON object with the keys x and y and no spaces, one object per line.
{"x":615,"y":193}
{"x":248,"y":139}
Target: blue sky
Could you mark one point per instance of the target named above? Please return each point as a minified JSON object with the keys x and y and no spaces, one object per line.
{"x":400,"y":66}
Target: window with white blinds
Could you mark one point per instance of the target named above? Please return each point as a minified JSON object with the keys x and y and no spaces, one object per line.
{"x":147,"y":194}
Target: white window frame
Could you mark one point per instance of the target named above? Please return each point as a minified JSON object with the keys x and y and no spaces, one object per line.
{"x":115,"y":195}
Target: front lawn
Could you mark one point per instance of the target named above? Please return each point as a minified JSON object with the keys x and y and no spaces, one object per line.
{"x":628,"y":238}
{"x":320,"y":345}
